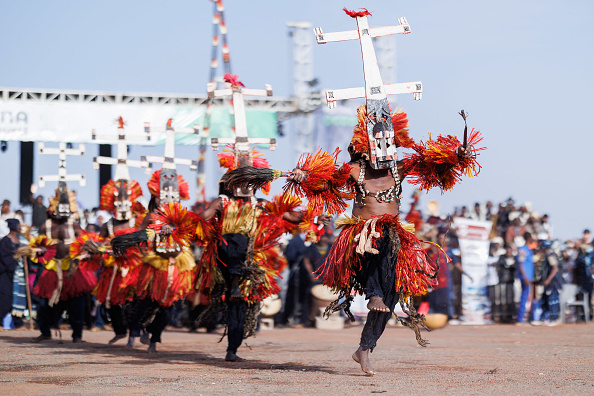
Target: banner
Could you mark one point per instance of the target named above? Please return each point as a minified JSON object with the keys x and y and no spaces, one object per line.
{"x":74,"y":122}
{"x":473,"y":237}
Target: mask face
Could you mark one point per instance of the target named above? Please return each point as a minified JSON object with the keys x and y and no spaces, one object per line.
{"x":382,"y":145}
{"x":243,"y":192}
{"x":169,"y":187}
{"x":122,"y":203}
{"x":63,"y":210}
{"x":244,"y":159}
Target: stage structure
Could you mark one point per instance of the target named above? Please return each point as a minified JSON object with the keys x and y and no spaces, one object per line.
{"x":71,"y":116}
{"x":303,"y":82}
{"x":219,"y":40}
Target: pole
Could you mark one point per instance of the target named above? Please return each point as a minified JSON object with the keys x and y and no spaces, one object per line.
{"x":26,"y":268}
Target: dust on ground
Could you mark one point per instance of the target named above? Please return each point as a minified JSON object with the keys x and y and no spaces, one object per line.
{"x":461,"y":360}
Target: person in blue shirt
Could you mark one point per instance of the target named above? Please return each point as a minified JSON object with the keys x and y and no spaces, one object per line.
{"x":526,"y":274}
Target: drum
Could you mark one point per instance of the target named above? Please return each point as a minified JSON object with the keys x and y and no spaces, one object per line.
{"x":323,"y":293}
{"x":271,"y":305}
{"x":321,"y":297}
{"x":435,"y":321}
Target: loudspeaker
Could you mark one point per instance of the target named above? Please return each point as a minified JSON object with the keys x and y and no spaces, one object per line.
{"x":26,"y":172}
{"x":104,"y":170}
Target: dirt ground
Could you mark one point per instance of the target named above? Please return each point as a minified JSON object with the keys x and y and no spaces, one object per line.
{"x":494,"y":359}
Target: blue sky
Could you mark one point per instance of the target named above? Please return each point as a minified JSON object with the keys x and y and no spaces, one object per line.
{"x":522,"y":69}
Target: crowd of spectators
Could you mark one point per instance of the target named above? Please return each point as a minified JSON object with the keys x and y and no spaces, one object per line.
{"x":527,"y":266}
{"x":526,"y":272}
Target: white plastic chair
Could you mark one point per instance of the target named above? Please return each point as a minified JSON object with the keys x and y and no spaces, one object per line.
{"x":568,"y":298}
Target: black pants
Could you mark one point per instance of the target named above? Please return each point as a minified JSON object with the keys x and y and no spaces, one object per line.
{"x":48,"y":317}
{"x":299,"y":291}
{"x":118,"y":321}
{"x":502,"y":302}
{"x":142,"y":311}
{"x":378,"y":274}
{"x":233,"y":253}
{"x":438,"y":301}
{"x":236,"y":313}
{"x":156,"y":327}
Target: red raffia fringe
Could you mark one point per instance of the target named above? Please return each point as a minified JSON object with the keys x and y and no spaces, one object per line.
{"x":183,"y":221}
{"x":207,"y":266}
{"x":43,"y":242}
{"x":91,"y":262}
{"x":313,"y":232}
{"x":343,"y":262}
{"x":354,"y":14}
{"x":279,"y":205}
{"x":325,"y":187}
{"x":152,"y":283}
{"x":81,"y":282}
{"x":47,"y":283}
{"x":123,"y":288}
{"x":435,"y":163}
{"x":233,"y":79}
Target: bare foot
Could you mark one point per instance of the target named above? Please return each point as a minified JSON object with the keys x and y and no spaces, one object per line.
{"x":376,"y":303}
{"x":361,"y":356}
{"x":231,"y":357}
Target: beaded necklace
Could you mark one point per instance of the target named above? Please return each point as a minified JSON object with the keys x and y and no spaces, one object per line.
{"x":387,"y":195}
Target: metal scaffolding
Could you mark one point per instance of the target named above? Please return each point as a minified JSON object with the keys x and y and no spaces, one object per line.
{"x":37,"y":95}
{"x":303,"y":82}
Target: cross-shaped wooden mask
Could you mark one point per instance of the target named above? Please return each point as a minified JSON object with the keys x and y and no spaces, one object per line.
{"x":379,"y":124}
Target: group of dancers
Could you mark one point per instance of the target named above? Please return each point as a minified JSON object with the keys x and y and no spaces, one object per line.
{"x":142,"y":261}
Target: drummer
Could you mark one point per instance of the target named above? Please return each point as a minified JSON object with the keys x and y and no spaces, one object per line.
{"x":314,"y":257}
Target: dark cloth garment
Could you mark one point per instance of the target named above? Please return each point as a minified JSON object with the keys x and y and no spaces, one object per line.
{"x":232,"y":252}
{"x":118,"y":321}
{"x":438,"y":300}
{"x":208,"y":321}
{"x":8,"y":265}
{"x":134,"y":315}
{"x":296,"y":284}
{"x":295,"y":251}
{"x":378,"y":272}
{"x":19,"y":296}
{"x":503,"y":306}
{"x":177,"y":311}
{"x":142,"y":313}
{"x":39,"y":215}
{"x":236,"y":314}
{"x":550,"y":305}
{"x":156,"y":327}
{"x":316,"y":257}
{"x":149,"y":315}
{"x":583,"y":276}
{"x":300,"y":285}
{"x":556,"y":283}
{"x":298,"y":293}
{"x":48,"y":317}
{"x":506,"y":269}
